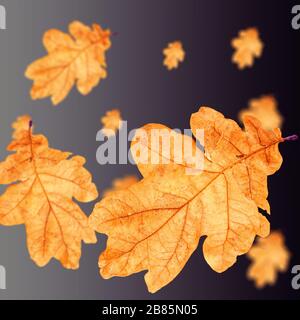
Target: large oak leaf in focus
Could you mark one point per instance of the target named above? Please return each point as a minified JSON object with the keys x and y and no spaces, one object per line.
{"x":156,"y":224}
{"x":42,"y":184}
{"x":78,"y":58}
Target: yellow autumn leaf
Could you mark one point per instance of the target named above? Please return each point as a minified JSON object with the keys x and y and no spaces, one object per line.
{"x":112,"y":122}
{"x":174,"y":54}
{"x":41,"y":185}
{"x":156,"y":224}
{"x":266,"y":110}
{"x":269,"y":256}
{"x":121,"y":184}
{"x":78,"y":58}
{"x":248,"y":46}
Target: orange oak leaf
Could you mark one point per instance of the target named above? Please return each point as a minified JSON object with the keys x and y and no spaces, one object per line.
{"x":41,"y":185}
{"x":248,"y":46}
{"x":112,"y":122}
{"x":121,"y":184}
{"x":265,"y":109}
{"x":174,"y":54}
{"x":269,"y":256}
{"x":156,"y":224}
{"x":78,"y":58}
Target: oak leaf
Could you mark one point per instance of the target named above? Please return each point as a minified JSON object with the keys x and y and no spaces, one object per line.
{"x":78,"y":58}
{"x":121,"y":184}
{"x":156,"y":224}
{"x":174,"y":54}
{"x":41,"y":185}
{"x":248,"y":46}
{"x":269,"y":256}
{"x":265,"y":109}
{"x":112,"y":122}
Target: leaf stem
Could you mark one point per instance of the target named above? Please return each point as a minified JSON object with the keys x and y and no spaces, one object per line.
{"x":293,"y":137}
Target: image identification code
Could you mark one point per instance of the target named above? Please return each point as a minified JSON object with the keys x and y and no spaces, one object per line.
{"x":151,"y":309}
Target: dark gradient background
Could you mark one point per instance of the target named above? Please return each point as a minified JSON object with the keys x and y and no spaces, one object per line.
{"x":145,"y":92}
